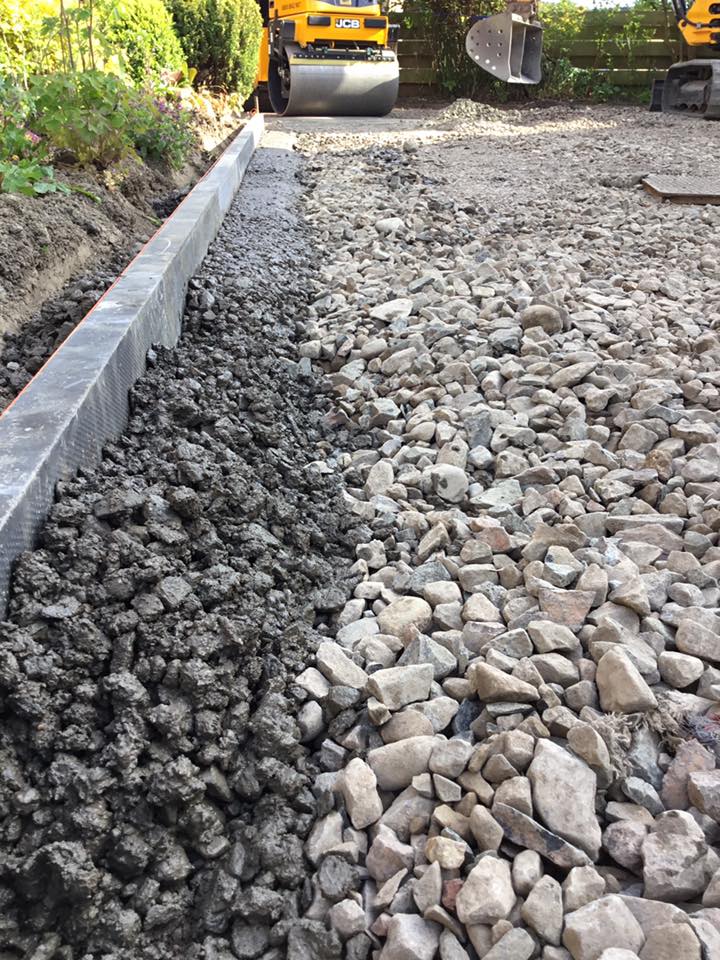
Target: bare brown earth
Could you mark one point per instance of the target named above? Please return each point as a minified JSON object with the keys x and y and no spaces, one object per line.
{"x":47,"y":241}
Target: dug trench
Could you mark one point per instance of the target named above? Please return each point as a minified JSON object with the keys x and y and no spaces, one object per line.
{"x":34,"y":335}
{"x":155,"y":796}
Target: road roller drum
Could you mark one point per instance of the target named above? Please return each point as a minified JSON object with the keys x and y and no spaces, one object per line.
{"x":329,"y":58}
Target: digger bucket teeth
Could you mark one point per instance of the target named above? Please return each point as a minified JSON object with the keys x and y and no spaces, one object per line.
{"x":693,"y":87}
{"x":508,"y":47}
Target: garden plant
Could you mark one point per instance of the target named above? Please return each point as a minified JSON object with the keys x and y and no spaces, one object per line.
{"x":93,"y":81}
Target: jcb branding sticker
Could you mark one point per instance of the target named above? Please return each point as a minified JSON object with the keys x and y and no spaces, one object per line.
{"x":344,"y":23}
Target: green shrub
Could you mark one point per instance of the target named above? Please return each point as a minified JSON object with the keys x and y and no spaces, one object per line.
{"x":29,"y":177}
{"x":142,"y":31}
{"x":22,"y":152}
{"x":98,"y":118}
{"x":562,"y":81}
{"x":160,"y":130}
{"x":221,"y":38}
{"x":85,"y":113}
{"x":23,"y":44}
{"x":564,"y":22}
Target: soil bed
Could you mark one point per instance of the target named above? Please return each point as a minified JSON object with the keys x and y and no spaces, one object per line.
{"x":58,"y":253}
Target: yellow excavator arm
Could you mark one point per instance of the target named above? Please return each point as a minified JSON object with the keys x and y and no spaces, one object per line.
{"x":700,"y":23}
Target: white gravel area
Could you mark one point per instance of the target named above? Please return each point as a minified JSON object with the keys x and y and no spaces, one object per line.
{"x":515,"y":715}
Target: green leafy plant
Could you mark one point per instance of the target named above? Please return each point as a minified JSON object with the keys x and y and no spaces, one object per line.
{"x":563,"y":81}
{"x":221,"y":38}
{"x":22,"y":152}
{"x":29,"y":177}
{"x":98,"y":118}
{"x":562,"y":21}
{"x":73,"y":30}
{"x":601,"y":39}
{"x":24,"y":47}
{"x":161,"y":130}
{"x":142,"y":32}
{"x":91,"y":114}
{"x":16,"y":139}
{"x":84,"y":113}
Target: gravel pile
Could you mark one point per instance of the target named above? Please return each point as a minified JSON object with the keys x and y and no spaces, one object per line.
{"x":470,"y":110}
{"x":154,"y":796}
{"x":518,"y":715}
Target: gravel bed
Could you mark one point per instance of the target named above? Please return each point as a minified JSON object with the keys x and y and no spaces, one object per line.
{"x":529,"y":340}
{"x":154,"y":796}
{"x":391,"y":627}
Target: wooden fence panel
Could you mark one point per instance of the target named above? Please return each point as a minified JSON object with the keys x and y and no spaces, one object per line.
{"x":624,"y":66}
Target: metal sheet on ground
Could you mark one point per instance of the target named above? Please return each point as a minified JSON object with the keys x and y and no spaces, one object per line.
{"x":395,"y":123}
{"x":683,"y":189}
{"x":350,"y":88}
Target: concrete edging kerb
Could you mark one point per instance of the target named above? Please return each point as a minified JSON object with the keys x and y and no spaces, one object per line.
{"x":79,"y":399}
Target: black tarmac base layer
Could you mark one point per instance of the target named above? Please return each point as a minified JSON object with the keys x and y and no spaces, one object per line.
{"x":154,"y":796}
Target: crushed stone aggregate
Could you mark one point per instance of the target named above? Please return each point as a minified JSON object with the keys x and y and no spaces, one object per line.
{"x":390,"y":627}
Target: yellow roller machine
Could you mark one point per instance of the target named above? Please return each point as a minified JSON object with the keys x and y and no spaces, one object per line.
{"x":328,"y":58}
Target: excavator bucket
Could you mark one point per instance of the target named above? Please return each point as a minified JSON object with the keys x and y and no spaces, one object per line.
{"x":507,"y":46}
{"x":693,"y":87}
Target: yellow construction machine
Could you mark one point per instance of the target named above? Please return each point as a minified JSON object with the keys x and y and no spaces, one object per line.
{"x":328,"y":58}
{"x":509,"y":46}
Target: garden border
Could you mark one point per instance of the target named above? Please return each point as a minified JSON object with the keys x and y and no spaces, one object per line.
{"x":79,"y":399}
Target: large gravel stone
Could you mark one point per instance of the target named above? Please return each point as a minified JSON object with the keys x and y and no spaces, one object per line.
{"x":387,"y":855}
{"x":548,"y":636}
{"x":543,"y":910}
{"x":540,"y":315}
{"x":679,"y":670}
{"x":671,"y":941}
{"x":405,"y":613}
{"x":347,"y":918}
{"x":494,"y":686}
{"x":398,"y":686}
{"x":409,"y":937}
{"x":487,"y":894}
{"x":704,"y":792}
{"x":697,"y":640}
{"x":516,"y":944}
{"x":675,"y":857}
{"x":522,"y":830}
{"x":599,"y":925}
{"x":690,"y":756}
{"x":622,"y":688}
{"x":339,"y":668}
{"x":359,"y":788}
{"x":581,"y":886}
{"x":564,"y":796}
{"x":396,"y":764}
